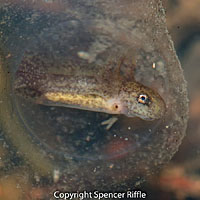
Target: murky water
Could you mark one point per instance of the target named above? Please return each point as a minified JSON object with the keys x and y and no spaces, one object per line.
{"x":86,"y":36}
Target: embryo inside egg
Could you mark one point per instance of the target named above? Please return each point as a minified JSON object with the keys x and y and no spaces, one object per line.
{"x":96,"y":149}
{"x":87,"y":137}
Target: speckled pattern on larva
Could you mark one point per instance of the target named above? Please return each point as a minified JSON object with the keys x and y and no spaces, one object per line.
{"x":110,"y":94}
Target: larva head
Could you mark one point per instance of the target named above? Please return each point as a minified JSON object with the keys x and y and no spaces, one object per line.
{"x":141,"y":101}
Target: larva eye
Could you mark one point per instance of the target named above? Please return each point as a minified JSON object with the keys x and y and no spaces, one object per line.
{"x":143,"y":99}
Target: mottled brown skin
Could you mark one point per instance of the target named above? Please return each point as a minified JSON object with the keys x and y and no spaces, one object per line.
{"x":101,"y":93}
{"x":153,"y":109}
